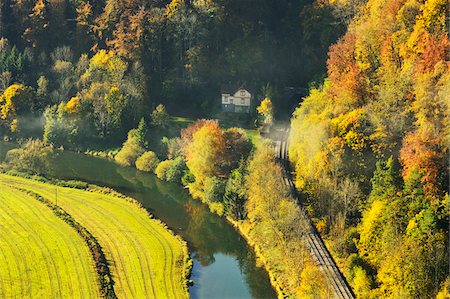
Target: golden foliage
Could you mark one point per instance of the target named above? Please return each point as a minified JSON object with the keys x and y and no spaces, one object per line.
{"x":204,"y":152}
{"x":73,"y":106}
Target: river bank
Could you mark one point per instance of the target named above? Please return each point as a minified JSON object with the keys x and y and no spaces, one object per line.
{"x":223,"y":264}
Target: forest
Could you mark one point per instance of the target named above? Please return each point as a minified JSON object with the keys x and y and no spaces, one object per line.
{"x":138,"y":82}
{"x":370,"y":149}
{"x":113,"y":62}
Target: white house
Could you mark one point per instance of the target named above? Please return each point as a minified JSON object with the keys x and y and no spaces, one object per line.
{"x":236,"y":99}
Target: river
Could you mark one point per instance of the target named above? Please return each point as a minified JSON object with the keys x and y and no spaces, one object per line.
{"x":223,"y":264}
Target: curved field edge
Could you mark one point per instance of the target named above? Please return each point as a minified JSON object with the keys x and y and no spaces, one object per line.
{"x":105,"y":280}
{"x":172,"y":278}
{"x":40,"y":255}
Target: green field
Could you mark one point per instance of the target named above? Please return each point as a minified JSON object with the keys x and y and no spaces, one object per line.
{"x":40,"y":255}
{"x":146,"y":259}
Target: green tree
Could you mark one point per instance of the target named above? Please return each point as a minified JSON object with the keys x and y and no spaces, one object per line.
{"x":134,"y":146}
{"x":385,"y":180}
{"x":214,"y":190}
{"x":59,"y":127}
{"x":175,"y":170}
{"x":171,"y":170}
{"x":110,"y":111}
{"x":235,"y":195}
{"x":160,"y":117}
{"x":33,"y":157}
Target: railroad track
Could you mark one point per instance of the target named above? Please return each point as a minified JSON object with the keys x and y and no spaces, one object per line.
{"x":313,"y":241}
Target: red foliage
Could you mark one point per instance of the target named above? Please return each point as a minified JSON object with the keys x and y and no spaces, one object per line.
{"x":341,"y":57}
{"x":421,"y":151}
{"x":188,"y":132}
{"x":343,"y":71}
{"x":432,"y":49}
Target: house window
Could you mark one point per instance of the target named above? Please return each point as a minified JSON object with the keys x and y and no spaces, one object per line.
{"x":242,"y":93}
{"x":242,"y":101}
{"x":231,"y":101}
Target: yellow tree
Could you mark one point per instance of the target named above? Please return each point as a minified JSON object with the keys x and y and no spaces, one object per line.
{"x":15,"y":100}
{"x":204,"y":152}
{"x":266,"y":110}
{"x":73,"y":106}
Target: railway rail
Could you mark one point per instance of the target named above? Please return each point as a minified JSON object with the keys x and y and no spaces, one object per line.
{"x":313,"y":241}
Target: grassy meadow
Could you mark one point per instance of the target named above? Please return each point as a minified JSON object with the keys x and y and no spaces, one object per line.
{"x":146,"y":260}
{"x":40,"y":255}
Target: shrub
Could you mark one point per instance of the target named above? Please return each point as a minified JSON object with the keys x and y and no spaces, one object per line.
{"x":171,"y":170}
{"x":133,"y":146}
{"x":161,"y":169}
{"x":128,"y":155}
{"x":187,"y":178}
{"x":176,"y":170}
{"x":147,"y":162}
{"x":33,"y":157}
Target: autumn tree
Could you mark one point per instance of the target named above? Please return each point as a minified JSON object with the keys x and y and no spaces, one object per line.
{"x":204,"y":152}
{"x":421,"y":151}
{"x":38,"y":23}
{"x":265,"y":109}
{"x":16,"y":101}
{"x":237,"y":147}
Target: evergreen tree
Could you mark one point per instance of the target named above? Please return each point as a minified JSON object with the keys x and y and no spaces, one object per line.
{"x":235,"y":193}
{"x":384,"y":180}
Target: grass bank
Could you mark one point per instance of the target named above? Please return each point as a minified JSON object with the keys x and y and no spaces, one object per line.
{"x":146,"y":259}
{"x":40,"y":255}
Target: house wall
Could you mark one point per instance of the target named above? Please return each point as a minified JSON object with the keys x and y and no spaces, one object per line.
{"x":238,"y":102}
{"x":242,"y":97}
{"x":228,"y":107}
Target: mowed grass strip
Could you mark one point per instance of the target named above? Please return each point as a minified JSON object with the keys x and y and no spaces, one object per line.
{"x":147,"y":260}
{"x":40,"y":255}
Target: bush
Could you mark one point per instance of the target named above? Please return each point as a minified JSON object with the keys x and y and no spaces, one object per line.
{"x":133,"y":147}
{"x":147,"y":162}
{"x":171,"y":170}
{"x":33,"y":157}
{"x":188,"y":178}
{"x":128,"y":155}
{"x":214,"y":190}
{"x":161,"y":169}
{"x":176,"y":170}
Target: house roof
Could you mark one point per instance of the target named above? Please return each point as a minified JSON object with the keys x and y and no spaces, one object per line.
{"x":232,"y":88}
